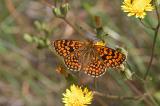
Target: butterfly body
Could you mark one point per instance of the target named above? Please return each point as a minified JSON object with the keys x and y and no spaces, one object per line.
{"x":88,"y":57}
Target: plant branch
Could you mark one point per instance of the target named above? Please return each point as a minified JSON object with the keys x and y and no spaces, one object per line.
{"x":152,"y":52}
{"x":115,"y":97}
{"x":147,"y":26}
{"x":12,"y":10}
{"x":154,"y":41}
{"x":74,"y":27}
{"x":158,"y":15}
{"x":81,"y":31}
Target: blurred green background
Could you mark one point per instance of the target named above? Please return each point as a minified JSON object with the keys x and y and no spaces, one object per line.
{"x":28,"y":74}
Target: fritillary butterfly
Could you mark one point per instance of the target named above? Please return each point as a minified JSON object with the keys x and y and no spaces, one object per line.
{"x":88,"y":57}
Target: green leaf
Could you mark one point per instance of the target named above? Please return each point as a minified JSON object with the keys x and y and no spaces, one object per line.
{"x":157,"y":96}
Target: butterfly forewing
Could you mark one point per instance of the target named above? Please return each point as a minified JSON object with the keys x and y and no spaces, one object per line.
{"x":110,"y":57}
{"x":65,"y":47}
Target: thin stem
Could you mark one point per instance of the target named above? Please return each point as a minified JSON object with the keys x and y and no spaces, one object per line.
{"x":115,"y":97}
{"x":150,"y":96}
{"x":154,"y":41}
{"x":156,"y":7}
{"x":145,"y":25}
{"x":65,"y":19}
{"x":49,"y":4}
{"x":152,"y":53}
{"x":74,"y":27}
{"x":86,"y":34}
{"x":16,"y":15}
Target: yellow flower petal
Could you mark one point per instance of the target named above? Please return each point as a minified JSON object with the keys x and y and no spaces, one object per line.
{"x":137,"y":7}
{"x":130,"y":14}
{"x":75,"y":96}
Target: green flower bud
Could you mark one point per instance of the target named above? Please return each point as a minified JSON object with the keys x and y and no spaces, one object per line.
{"x":64,"y":9}
{"x":57,"y":12}
{"x":61,"y":11}
{"x":28,"y":37}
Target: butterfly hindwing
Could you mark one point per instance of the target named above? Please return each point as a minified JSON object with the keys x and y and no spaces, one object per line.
{"x":72,"y":61}
{"x":95,"y":67}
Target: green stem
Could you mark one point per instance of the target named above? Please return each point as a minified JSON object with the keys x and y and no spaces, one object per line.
{"x":154,"y":41}
{"x":147,"y":26}
{"x":157,"y":12}
{"x":152,"y":53}
{"x":74,"y":27}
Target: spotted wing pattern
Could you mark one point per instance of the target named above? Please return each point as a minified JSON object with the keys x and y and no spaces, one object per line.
{"x":110,"y":57}
{"x":72,"y":61}
{"x":65,"y":47}
{"x":95,"y":68}
{"x":73,"y":51}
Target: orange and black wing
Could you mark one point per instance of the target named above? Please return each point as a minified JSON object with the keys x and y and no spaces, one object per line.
{"x":72,"y":61}
{"x":111,"y":58}
{"x":65,"y":47}
{"x":95,"y":67}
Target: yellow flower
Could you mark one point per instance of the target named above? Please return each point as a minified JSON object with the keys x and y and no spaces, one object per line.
{"x":75,"y":96}
{"x":137,"y":7}
{"x":101,"y":43}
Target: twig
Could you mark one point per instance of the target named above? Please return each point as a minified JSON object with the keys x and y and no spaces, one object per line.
{"x":137,"y":91}
{"x":150,"y":96}
{"x":147,"y":26}
{"x":11,"y":8}
{"x":48,"y":3}
{"x":84,"y":33}
{"x":74,"y":27}
{"x":19,"y":18}
{"x":154,"y":41}
{"x":115,"y":97}
{"x":152,"y":53}
{"x":158,"y":15}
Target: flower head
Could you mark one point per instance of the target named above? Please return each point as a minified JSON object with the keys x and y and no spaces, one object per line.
{"x":75,"y":96}
{"x":137,"y":7}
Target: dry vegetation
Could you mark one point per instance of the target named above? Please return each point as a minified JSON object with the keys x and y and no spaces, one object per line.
{"x":28,"y":75}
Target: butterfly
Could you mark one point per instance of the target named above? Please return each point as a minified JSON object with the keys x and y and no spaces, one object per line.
{"x":87,"y":56}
